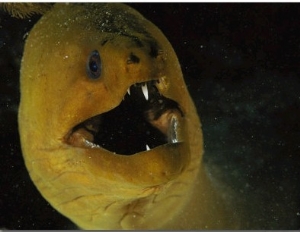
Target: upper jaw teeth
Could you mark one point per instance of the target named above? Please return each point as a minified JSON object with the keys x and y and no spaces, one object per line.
{"x":147,"y":147}
{"x":145,"y":91}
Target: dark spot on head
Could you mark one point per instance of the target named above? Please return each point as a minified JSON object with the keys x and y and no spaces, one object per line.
{"x":137,"y":41}
{"x":104,"y":42}
{"x":154,"y":50}
{"x":133,"y":59}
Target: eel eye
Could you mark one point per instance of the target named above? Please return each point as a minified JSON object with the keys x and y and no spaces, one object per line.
{"x":93,"y":67}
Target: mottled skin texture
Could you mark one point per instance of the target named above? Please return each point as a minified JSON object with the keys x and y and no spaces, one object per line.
{"x":164,"y":188}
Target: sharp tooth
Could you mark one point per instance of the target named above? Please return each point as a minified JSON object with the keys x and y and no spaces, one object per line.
{"x":128,"y":91}
{"x":90,"y":144}
{"x":147,"y":147}
{"x":145,"y":91}
{"x":173,"y":131}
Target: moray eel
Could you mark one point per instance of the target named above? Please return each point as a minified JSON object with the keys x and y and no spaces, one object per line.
{"x":109,"y":133}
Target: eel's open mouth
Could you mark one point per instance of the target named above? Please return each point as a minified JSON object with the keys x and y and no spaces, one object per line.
{"x":143,"y":120}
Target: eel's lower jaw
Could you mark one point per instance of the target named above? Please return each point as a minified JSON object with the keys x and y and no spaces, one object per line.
{"x":143,"y":121}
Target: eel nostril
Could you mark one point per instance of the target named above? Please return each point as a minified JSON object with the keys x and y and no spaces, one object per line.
{"x":155,"y":50}
{"x":133,"y":59}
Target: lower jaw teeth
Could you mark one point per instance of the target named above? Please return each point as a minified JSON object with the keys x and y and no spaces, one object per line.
{"x":173,"y":136}
{"x":93,"y":145}
{"x":90,"y":144}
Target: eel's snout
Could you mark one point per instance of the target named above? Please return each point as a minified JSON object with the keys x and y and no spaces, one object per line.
{"x":142,"y":121}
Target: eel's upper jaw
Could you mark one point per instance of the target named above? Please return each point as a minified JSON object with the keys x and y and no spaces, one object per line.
{"x":142,"y":121}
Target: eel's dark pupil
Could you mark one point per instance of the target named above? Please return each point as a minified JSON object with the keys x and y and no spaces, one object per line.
{"x":93,"y":68}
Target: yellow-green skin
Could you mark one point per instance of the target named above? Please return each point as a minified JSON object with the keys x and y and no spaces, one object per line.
{"x":164,"y":188}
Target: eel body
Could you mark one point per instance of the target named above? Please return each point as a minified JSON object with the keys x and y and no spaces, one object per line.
{"x":109,"y":133}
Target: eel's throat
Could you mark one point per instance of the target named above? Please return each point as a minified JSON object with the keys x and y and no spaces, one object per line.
{"x":143,"y":120}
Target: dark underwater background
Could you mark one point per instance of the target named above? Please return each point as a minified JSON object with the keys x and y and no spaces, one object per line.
{"x":241,"y":65}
